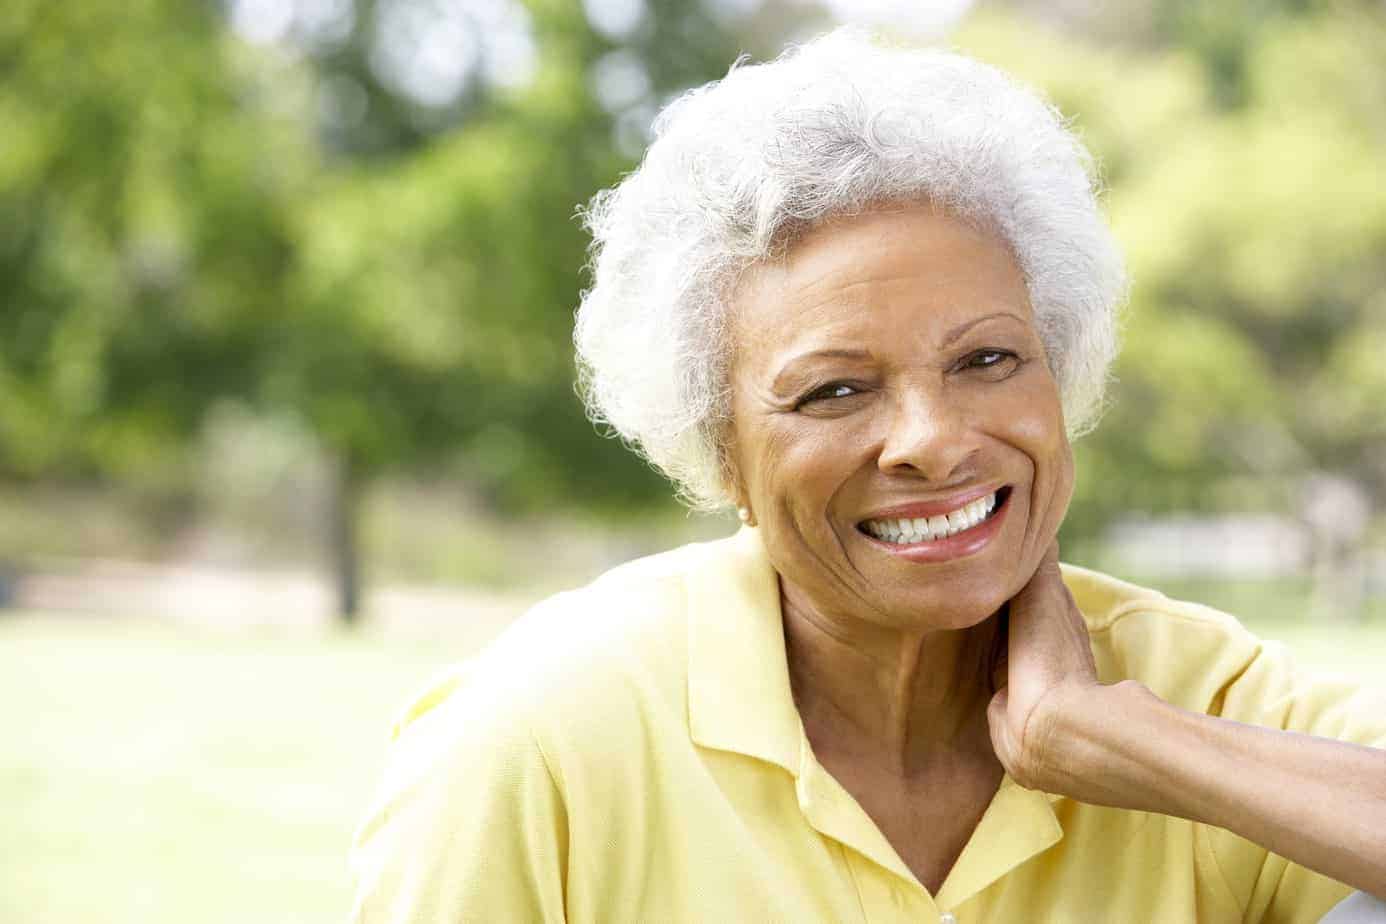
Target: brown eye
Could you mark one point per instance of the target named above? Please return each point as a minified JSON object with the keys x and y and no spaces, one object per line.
{"x":992,"y":361}
{"x":828,"y":392}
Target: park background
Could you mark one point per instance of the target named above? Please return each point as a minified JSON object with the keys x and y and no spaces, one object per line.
{"x":287,"y":418}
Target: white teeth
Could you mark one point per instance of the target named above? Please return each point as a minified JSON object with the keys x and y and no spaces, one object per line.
{"x":905,"y":531}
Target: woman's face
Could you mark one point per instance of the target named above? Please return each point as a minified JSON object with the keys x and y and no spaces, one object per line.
{"x":885,"y":375}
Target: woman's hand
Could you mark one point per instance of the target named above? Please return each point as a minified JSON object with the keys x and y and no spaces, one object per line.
{"x":1049,"y":671}
{"x":1055,"y":728}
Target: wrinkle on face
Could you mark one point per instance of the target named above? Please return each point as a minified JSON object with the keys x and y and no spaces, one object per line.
{"x":895,"y":304}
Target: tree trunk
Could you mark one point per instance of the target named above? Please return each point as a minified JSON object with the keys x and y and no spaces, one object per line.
{"x":345,"y":539}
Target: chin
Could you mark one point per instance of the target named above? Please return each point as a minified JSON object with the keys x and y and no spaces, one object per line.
{"x":944,"y":612}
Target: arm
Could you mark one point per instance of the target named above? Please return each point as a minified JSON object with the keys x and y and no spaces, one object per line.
{"x":1317,"y":802}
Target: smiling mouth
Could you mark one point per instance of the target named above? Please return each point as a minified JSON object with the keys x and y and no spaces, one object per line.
{"x":942,"y":526}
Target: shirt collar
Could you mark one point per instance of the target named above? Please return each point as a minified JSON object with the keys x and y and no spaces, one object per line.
{"x":738,"y":676}
{"x":739,"y":700}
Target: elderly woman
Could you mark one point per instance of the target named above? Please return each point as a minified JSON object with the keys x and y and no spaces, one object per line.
{"x":866,"y":297}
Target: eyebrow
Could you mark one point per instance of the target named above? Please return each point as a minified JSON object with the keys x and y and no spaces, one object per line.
{"x":963,"y":328}
{"x":791,"y":367}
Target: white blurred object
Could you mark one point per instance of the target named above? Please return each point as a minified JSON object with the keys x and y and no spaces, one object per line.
{"x":1357,"y":908}
{"x":1247,"y":545}
{"x":1337,"y":511}
{"x":1336,"y":506}
{"x":616,"y":19}
{"x":310,"y":22}
{"x":619,"y":80}
{"x":261,"y":22}
{"x":927,"y":19}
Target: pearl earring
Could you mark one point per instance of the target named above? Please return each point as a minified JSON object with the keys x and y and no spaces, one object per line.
{"x":744,"y":514}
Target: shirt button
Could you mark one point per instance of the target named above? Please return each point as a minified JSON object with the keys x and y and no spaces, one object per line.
{"x":947,"y":918}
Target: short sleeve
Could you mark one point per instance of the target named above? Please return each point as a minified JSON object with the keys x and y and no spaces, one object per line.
{"x":1273,"y":692}
{"x":468,"y":824}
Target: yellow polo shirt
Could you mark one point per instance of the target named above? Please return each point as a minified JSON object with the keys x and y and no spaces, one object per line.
{"x":630,"y":752}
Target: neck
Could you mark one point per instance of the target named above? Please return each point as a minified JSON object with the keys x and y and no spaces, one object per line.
{"x":910,"y":701}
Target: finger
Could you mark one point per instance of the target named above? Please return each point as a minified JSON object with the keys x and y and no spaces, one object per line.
{"x":1044,"y":582}
{"x":998,"y":727}
{"x":1047,"y":632}
{"x":996,"y":709}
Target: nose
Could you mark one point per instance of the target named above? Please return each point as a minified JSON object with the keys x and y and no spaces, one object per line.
{"x":925,"y":435}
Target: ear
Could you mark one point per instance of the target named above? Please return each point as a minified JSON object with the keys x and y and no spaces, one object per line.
{"x":736,"y":489}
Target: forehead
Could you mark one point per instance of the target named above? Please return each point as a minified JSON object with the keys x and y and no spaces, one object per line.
{"x":909,"y":271}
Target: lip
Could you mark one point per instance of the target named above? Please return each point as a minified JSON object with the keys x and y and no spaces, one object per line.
{"x":968,"y":542}
{"x":931,"y":508}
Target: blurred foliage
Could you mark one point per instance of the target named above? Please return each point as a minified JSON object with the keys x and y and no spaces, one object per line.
{"x":145,"y":235}
{"x":435,"y":290}
{"x":1255,"y":340}
{"x":191,"y":220}
{"x":173,"y":237}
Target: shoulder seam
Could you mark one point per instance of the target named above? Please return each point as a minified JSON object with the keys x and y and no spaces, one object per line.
{"x":1159,"y":605}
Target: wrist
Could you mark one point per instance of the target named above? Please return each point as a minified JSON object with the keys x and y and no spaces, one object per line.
{"x":1104,"y":746}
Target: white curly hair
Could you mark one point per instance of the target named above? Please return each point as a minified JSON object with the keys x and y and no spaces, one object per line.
{"x":740,"y":167}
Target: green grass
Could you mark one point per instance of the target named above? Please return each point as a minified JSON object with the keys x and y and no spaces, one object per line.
{"x":149,"y":775}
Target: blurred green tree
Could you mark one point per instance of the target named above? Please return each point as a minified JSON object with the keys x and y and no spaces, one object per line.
{"x":1255,"y":234}
{"x":316,"y":223}
{"x":145,"y":235}
{"x":172,"y":237}
{"x":441,"y":261}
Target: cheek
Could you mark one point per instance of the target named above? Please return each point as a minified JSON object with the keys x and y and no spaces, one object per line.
{"x":1062,"y":491}
{"x":767,"y":451}
{"x":1034,"y":423}
{"x":796,"y":462}
{"x":797,"y":468}
{"x":1037,"y":429}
